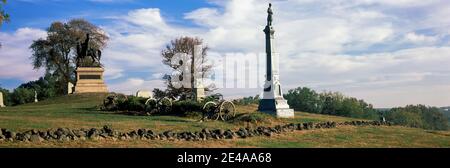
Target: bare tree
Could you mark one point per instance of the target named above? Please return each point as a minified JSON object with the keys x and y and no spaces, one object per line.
{"x":185,"y":45}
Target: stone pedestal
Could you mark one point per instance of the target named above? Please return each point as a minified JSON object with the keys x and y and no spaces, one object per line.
{"x":1,"y":100}
{"x":90,"y":80}
{"x":70,"y":88}
{"x":199,"y":94}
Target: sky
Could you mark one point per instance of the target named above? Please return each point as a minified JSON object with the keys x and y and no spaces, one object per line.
{"x":389,"y":53}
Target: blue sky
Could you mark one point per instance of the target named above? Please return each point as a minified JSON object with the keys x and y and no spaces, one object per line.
{"x":390,"y":53}
{"x":40,"y":13}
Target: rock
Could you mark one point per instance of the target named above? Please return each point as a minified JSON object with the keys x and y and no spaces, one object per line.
{"x":196,"y":136}
{"x":79,"y":133}
{"x":299,"y":126}
{"x":104,"y":135}
{"x":20,"y":137}
{"x":207,"y":133}
{"x":162,"y":137}
{"x":9,"y":134}
{"x":142,"y":132}
{"x":229,"y":134}
{"x":27,"y":136}
{"x":150,"y":132}
{"x":63,"y":138}
{"x":220,"y":132}
{"x":51,"y":134}
{"x":202,"y":136}
{"x":59,"y":132}
{"x":267,"y":133}
{"x":36,"y":138}
{"x":92,"y":133}
{"x":42,"y":134}
{"x":168,"y":134}
{"x":241,"y":133}
{"x":278,"y":128}
{"x":215,"y":136}
{"x":34,"y":132}
{"x":93,"y":136}
{"x":107,"y":129}
{"x":310,"y":125}
{"x":123,"y":137}
{"x":291,"y":126}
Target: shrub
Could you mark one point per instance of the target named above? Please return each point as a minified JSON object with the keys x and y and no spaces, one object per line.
{"x":131,"y":104}
{"x":186,"y":106}
{"x":22,"y":96}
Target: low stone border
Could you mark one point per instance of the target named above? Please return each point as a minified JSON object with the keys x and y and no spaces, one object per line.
{"x":66,"y":134}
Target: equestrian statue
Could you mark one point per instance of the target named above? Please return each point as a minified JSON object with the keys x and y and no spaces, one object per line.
{"x":84,"y":51}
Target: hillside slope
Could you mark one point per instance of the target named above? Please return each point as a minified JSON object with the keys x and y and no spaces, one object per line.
{"x":79,"y":111}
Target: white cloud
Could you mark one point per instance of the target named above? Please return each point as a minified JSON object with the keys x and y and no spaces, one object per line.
{"x":132,"y":85}
{"x":15,"y":53}
{"x":362,"y":48}
{"x":420,"y":38}
{"x":313,"y":39}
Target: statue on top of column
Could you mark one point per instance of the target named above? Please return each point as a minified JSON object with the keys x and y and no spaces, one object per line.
{"x":269,"y":16}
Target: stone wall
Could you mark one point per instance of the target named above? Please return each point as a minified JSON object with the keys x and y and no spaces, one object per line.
{"x":66,"y":134}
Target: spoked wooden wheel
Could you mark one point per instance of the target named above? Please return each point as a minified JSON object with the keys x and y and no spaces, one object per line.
{"x":165,"y":105}
{"x":151,"y":106}
{"x":227,"y":110}
{"x":210,"y":111}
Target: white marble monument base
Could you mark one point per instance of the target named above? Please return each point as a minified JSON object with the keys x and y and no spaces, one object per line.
{"x":277,"y":107}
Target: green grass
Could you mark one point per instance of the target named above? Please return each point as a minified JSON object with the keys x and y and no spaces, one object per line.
{"x":80,"y":111}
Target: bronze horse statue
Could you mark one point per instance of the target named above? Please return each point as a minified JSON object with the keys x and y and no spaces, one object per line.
{"x":84,"y":50}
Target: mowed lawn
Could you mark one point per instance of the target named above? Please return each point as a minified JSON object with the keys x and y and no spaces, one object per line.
{"x":80,"y":111}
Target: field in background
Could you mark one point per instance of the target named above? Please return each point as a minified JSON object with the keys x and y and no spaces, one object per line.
{"x":80,"y":111}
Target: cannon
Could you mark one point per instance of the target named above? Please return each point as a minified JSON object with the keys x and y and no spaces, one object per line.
{"x":218,"y":108}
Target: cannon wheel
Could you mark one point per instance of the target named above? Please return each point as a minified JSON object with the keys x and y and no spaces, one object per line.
{"x":227,"y":110}
{"x":210,"y":110}
{"x":164,"y":105}
{"x":151,"y":105}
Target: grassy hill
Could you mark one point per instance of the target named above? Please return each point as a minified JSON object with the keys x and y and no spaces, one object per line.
{"x":80,"y":111}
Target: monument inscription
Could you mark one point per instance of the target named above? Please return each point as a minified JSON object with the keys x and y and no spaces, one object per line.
{"x":90,"y":77}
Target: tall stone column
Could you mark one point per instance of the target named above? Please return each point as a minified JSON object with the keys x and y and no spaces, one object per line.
{"x":272,"y":101}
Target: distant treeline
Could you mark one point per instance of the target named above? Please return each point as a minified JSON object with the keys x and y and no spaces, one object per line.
{"x":45,"y":88}
{"x":419,"y":116}
{"x":330,"y":103}
{"x":334,"y":103}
